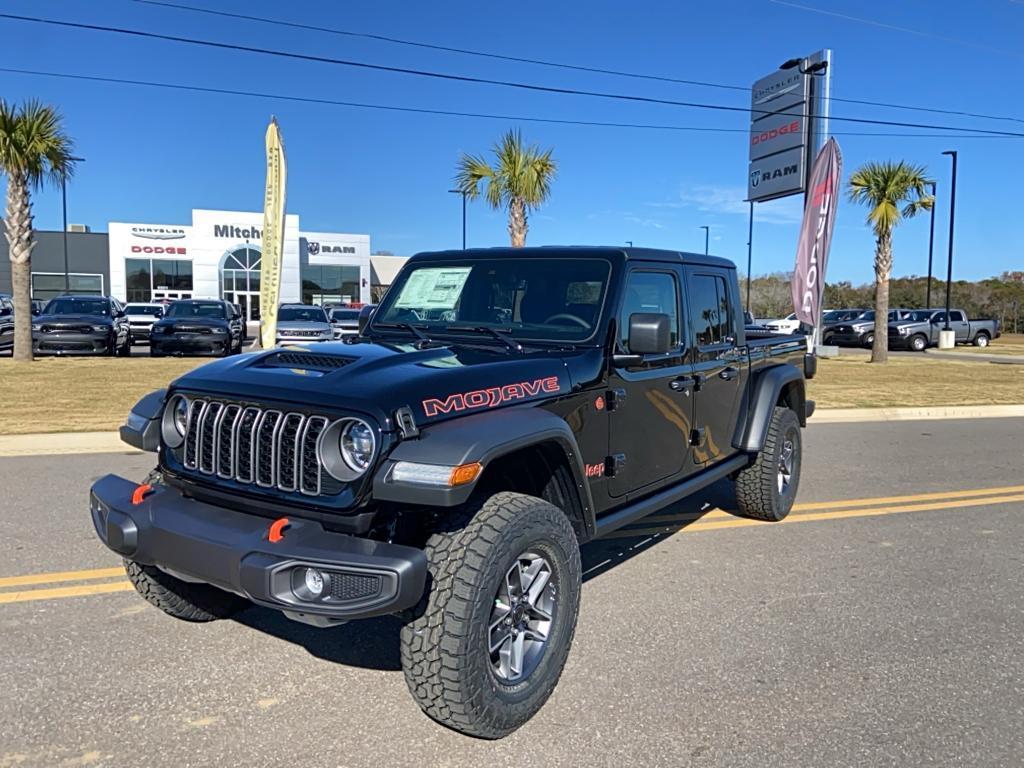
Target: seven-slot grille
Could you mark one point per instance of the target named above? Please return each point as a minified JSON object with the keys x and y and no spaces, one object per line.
{"x":255,"y":446}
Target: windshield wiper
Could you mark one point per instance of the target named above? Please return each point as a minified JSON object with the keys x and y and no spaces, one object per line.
{"x":421,"y":338}
{"x":504,"y":338}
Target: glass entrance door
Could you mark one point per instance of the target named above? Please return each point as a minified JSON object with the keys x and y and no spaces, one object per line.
{"x":249,"y":301}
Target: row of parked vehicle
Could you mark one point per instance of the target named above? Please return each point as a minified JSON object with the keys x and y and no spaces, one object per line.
{"x":912,"y":329}
{"x":102,"y":325}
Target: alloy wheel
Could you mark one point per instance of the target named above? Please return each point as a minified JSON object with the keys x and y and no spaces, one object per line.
{"x":786,"y":463}
{"x":522,"y":618}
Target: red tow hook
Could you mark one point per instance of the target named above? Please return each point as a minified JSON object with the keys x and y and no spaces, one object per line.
{"x":277,"y":528}
{"x":141,"y":492}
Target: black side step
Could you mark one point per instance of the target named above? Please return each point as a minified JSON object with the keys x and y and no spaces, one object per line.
{"x":651,"y":504}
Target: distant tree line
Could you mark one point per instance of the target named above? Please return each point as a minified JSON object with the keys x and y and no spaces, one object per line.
{"x":999,"y":297}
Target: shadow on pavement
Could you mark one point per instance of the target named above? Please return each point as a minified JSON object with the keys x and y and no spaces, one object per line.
{"x":374,"y":643}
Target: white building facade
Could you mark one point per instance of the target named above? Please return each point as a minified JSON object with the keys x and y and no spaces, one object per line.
{"x":218,"y":256}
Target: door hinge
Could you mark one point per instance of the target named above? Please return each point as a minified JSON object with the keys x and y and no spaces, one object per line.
{"x":615,"y":399}
{"x":612,"y":464}
{"x":697,"y":436}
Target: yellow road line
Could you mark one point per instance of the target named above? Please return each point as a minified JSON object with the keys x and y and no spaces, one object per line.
{"x":29,"y":595}
{"x":846,"y":503}
{"x":807,"y":518}
{"x":59,"y":576}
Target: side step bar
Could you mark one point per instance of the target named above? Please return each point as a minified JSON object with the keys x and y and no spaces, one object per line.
{"x":651,"y":504}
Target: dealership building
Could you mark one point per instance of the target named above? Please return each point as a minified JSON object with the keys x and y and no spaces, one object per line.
{"x":217,"y":254}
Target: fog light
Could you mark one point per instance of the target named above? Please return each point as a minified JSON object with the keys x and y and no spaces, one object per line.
{"x":314,"y":581}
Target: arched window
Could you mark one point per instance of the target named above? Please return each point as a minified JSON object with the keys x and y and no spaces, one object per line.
{"x":240,"y":279}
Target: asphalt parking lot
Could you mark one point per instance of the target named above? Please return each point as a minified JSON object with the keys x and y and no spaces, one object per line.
{"x":879,"y":625}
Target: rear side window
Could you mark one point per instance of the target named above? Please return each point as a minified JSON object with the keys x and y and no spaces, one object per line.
{"x":656,"y":292}
{"x":709,"y":310}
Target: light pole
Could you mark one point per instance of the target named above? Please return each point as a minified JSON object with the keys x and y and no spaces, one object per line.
{"x":750,"y":252}
{"x":461,"y":192}
{"x":952,"y":216}
{"x":931,"y":246}
{"x":707,"y":235}
{"x":629,"y":243}
{"x":64,"y":216}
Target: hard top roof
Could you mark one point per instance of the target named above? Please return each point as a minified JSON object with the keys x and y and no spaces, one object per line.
{"x":577,"y":252}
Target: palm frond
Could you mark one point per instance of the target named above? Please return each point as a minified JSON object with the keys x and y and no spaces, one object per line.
{"x":892,"y":191}
{"x":33,"y":143}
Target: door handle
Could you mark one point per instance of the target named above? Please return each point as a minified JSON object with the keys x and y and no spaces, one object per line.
{"x":729,"y":373}
{"x":683,"y":383}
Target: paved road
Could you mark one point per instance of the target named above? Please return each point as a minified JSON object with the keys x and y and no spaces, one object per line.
{"x":857,"y":634}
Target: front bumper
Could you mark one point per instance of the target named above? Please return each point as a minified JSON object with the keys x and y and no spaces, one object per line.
{"x":55,"y":343}
{"x":195,"y":344}
{"x":204,"y":543}
{"x":855,"y":339}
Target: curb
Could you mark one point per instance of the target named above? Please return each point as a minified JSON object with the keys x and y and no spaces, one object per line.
{"x":66,"y":443}
{"x":861,"y":415}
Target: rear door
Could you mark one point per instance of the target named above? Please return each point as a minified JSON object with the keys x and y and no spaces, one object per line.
{"x":651,"y":415}
{"x":719,"y":362}
{"x":958,"y":322}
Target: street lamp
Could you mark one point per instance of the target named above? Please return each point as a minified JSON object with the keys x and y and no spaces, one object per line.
{"x":463,"y":193}
{"x":931,"y":246}
{"x":64,"y":216}
{"x":952,"y":215}
{"x":707,"y":235}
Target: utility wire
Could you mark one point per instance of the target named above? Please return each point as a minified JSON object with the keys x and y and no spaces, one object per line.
{"x":540,"y":62}
{"x":469,"y":79}
{"x":450,"y":113}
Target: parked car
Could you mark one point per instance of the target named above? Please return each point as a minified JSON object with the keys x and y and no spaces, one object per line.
{"x":82,"y":325}
{"x":141,"y":317}
{"x":37,"y":306}
{"x":449,"y":470}
{"x":788,"y":324}
{"x":921,"y":328}
{"x":860,"y":332}
{"x":345,"y":320}
{"x":302,"y":324}
{"x":833,"y":317}
{"x":197,"y":327}
{"x":6,"y":323}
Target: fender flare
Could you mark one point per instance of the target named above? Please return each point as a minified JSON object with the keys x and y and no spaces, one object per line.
{"x":142,"y":429}
{"x":480,"y":438}
{"x":766,"y":388}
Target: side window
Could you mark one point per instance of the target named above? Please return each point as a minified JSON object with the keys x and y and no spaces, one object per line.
{"x":709,"y":310}
{"x":957,"y":316}
{"x":656,"y":292}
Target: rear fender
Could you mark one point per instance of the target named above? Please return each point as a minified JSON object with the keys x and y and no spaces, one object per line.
{"x":768,"y":386}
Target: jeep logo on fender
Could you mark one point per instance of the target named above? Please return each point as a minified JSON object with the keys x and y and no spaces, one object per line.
{"x":490,"y":397}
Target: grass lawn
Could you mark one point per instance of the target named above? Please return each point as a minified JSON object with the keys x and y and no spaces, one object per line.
{"x":96,"y":394}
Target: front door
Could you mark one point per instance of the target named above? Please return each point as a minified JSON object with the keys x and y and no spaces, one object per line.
{"x":247,"y":301}
{"x":651,"y":412}
{"x":719,"y":362}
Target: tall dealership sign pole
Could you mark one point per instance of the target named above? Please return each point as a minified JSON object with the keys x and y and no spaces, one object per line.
{"x":273,"y":235}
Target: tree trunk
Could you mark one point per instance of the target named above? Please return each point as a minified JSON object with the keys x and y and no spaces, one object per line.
{"x":18,"y":228}
{"x":517,"y":222}
{"x":883,"y":269}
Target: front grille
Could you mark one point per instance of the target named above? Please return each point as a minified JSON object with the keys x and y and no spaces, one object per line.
{"x":347,"y":586}
{"x":252,"y":445}
{"x":285,"y":332}
{"x":66,"y":328}
{"x":179,"y":328}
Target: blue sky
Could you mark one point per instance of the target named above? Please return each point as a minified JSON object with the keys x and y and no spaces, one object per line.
{"x":153,"y":155}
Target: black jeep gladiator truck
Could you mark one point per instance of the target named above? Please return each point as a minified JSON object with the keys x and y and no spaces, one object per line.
{"x":447,"y":470}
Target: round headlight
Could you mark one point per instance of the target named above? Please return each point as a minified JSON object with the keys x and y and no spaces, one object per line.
{"x":357,"y":444}
{"x":175,"y":421}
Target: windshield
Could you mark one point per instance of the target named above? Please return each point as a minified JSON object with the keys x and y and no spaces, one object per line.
{"x":196,"y":309}
{"x":344,"y":314}
{"x":302,"y":314}
{"x":833,"y":316}
{"x":541,"y":299}
{"x":142,"y":309}
{"x":69,"y":306}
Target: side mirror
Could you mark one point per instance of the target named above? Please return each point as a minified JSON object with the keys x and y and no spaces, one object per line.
{"x":649,"y":334}
{"x":364,"y":317}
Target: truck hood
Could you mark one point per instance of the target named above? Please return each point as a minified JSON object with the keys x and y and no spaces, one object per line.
{"x":375,"y":378}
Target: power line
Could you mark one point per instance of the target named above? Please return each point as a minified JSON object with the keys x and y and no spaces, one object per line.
{"x":444,"y":112}
{"x":540,"y":62}
{"x":479,"y":80}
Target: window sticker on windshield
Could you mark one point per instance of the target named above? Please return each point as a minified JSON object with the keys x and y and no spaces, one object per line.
{"x":433,"y":288}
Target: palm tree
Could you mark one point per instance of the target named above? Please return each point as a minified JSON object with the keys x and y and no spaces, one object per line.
{"x":520,"y":180}
{"x":33,"y":149}
{"x":892,"y":192}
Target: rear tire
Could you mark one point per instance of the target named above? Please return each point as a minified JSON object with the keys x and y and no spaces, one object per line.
{"x":981,"y":340}
{"x":459,"y":651}
{"x":919,"y":343}
{"x":767,"y":488}
{"x":180,"y":599}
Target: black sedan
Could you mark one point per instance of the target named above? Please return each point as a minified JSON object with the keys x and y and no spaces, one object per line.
{"x":82,"y":325}
{"x":197,"y":327}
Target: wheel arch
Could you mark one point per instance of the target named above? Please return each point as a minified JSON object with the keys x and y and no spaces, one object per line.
{"x":778,"y":385}
{"x":525,"y":449}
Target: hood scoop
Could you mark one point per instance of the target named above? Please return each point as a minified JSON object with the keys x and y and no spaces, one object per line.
{"x":307,"y":361}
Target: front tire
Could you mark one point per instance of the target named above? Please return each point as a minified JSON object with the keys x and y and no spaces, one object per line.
{"x":869,"y":340}
{"x":487,"y":645}
{"x":767,"y":488}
